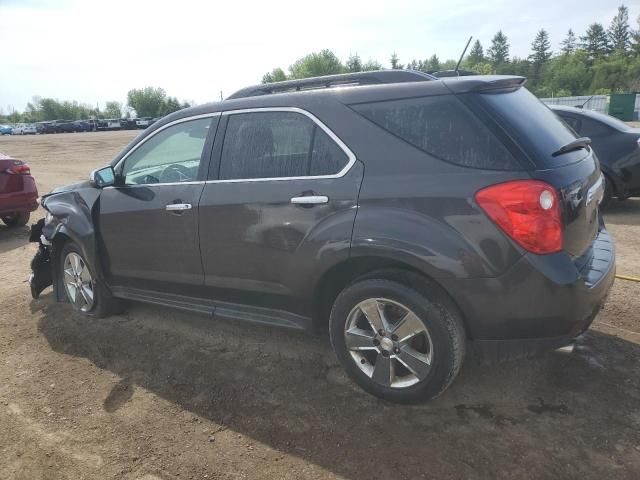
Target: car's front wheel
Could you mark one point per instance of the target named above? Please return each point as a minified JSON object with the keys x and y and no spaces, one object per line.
{"x":85,"y":293}
{"x":17,"y":219}
{"x":395,"y":342}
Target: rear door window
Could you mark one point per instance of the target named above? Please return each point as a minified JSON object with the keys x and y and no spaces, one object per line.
{"x":443,"y":127}
{"x":277,"y":145}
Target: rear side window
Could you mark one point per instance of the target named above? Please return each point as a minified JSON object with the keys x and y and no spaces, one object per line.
{"x":534,"y":126}
{"x":442,"y":127}
{"x":277,"y":145}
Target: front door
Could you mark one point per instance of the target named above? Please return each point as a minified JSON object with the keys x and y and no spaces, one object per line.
{"x":283,"y":201}
{"x":148,"y":222}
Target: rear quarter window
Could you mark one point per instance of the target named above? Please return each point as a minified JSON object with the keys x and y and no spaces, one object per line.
{"x":533,"y":125}
{"x":443,"y":127}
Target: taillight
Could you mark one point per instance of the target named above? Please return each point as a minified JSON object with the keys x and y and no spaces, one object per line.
{"x":18,"y":168}
{"x":526,"y":210}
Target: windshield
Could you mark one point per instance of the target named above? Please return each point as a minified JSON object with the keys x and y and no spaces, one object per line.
{"x":535,"y":127}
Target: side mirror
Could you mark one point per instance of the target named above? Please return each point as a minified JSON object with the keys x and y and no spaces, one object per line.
{"x":102,"y":177}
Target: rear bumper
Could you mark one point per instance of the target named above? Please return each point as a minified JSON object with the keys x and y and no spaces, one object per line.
{"x":24,"y":199}
{"x":540,"y":297}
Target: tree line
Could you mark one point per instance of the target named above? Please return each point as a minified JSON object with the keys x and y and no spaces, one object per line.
{"x":599,"y":61}
{"x":142,"y":102}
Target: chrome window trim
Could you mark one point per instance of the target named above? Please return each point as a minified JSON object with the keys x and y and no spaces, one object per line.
{"x":155,"y":132}
{"x":147,"y":185}
{"x":350,"y":155}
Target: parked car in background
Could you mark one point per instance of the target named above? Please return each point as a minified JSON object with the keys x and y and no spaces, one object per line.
{"x":82,"y":126}
{"x":616,"y":144}
{"x":128,"y":123}
{"x":46,"y":127}
{"x":404,"y":215}
{"x":6,"y":129}
{"x":18,"y":192}
{"x":143,"y":122}
{"x":24,"y":129}
{"x":63,"y":126}
{"x":113,"y":124}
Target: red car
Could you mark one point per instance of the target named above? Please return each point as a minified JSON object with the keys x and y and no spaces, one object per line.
{"x":18,"y":192}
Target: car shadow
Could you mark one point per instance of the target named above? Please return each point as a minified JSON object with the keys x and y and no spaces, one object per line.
{"x":554,"y":416}
{"x":13,"y":237}
{"x":626,"y":212}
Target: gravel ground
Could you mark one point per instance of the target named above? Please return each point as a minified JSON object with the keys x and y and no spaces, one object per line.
{"x":156,"y":393}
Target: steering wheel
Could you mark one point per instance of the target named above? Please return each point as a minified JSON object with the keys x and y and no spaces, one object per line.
{"x":175,"y":173}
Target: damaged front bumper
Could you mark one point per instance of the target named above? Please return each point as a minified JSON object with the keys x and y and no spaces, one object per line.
{"x":41,"y":266}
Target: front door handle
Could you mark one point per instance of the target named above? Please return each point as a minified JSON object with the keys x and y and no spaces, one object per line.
{"x":178,"y":207}
{"x":310,"y":200}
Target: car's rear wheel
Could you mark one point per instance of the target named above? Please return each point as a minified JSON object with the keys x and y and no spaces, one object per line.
{"x":395,"y":342}
{"x":84,"y":291}
{"x":17,"y":219}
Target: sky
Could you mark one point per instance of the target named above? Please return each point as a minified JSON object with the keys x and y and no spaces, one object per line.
{"x":96,"y":51}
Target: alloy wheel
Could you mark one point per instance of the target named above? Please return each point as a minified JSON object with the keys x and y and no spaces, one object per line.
{"x":78,"y":282}
{"x":388,"y":343}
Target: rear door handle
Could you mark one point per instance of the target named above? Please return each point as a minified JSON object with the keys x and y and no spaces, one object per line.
{"x":310,"y":200}
{"x":178,"y":207}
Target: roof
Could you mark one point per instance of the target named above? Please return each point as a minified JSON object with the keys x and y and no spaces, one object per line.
{"x":351,"y":94}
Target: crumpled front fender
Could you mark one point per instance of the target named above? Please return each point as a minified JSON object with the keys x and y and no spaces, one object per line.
{"x":73,"y":214}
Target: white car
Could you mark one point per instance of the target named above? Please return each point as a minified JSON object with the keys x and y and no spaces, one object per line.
{"x":143,"y":122}
{"x":24,"y":129}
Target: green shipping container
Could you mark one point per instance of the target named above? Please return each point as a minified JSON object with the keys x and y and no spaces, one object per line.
{"x":621,"y":106}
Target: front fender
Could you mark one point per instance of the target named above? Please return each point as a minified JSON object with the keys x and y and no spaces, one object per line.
{"x":73,"y":217}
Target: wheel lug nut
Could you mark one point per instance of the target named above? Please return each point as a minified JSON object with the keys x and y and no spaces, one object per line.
{"x":396,"y":350}
{"x":376,"y":342}
{"x":381,"y":332}
{"x":394,"y":338}
{"x":385,"y":353}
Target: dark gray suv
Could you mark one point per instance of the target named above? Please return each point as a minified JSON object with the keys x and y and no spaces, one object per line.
{"x":404,"y":215}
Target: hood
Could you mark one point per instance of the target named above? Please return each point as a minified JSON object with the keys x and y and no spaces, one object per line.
{"x":72,"y":187}
{"x":68,"y":188}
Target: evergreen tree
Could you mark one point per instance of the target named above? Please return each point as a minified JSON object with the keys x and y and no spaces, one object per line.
{"x":595,"y":41}
{"x":541,"y":48}
{"x":498,"y":53}
{"x":433,"y":63}
{"x":619,"y":32}
{"x":354,"y":64}
{"x":568,"y":45}
{"x":476,"y":55}
{"x":395,"y":62}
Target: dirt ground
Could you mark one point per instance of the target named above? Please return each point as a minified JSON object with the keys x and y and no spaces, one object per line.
{"x":156,"y":393}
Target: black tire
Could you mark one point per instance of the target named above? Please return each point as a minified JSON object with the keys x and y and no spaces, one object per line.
{"x":104,"y":304}
{"x":609,"y":191}
{"x":442,"y":322}
{"x":17,"y":219}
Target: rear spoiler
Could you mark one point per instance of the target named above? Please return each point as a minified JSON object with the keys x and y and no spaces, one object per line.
{"x":484,"y":83}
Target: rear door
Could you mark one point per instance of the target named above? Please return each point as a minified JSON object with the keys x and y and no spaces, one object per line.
{"x":148,"y":223}
{"x":282,"y":199}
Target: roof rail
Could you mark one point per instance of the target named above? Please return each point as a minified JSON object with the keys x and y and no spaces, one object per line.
{"x":376,"y":77}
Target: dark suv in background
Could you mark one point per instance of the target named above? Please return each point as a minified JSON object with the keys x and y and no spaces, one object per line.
{"x":404,"y":215}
